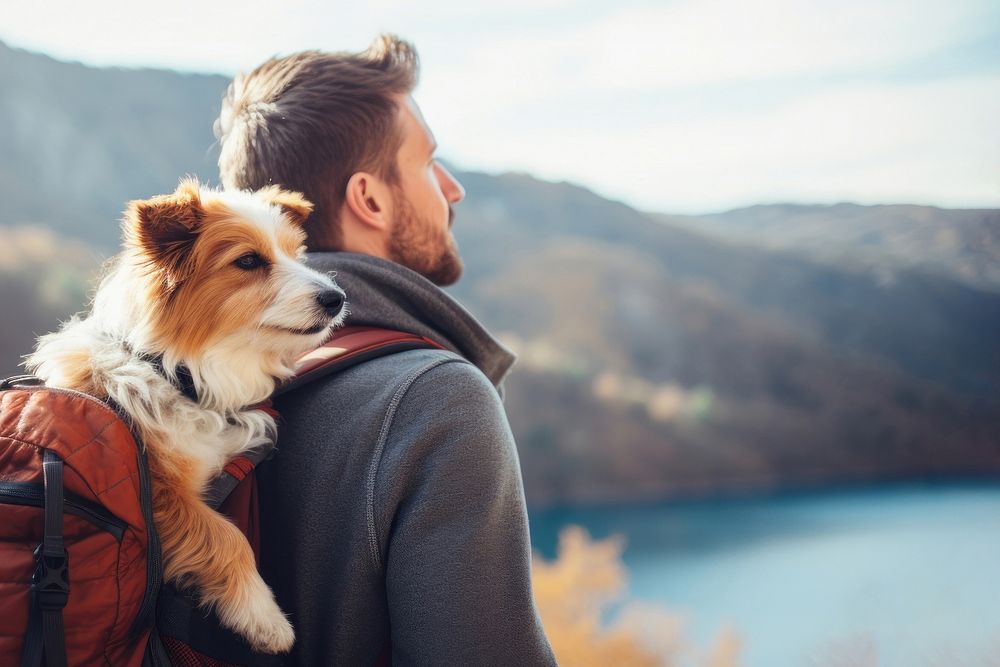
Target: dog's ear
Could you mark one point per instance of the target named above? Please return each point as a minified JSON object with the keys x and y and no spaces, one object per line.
{"x":294,"y":205}
{"x":163,"y":229}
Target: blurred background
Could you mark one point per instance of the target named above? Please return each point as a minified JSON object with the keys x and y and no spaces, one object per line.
{"x":747,"y":251}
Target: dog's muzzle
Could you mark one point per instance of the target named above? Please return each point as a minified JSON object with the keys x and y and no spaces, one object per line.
{"x":331,"y":301}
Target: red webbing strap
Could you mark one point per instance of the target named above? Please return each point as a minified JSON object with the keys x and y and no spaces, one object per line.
{"x":351,"y":341}
{"x":241,"y":507}
{"x":351,"y":345}
{"x":240,"y":467}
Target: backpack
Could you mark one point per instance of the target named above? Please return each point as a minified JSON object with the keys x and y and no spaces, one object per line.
{"x":80,"y":567}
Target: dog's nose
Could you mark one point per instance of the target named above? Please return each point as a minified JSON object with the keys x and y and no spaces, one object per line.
{"x":332,"y":301}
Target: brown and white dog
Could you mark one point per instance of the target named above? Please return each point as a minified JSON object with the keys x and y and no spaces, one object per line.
{"x":210,"y":284}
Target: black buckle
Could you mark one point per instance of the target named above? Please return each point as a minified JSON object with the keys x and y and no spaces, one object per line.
{"x":50,"y":582}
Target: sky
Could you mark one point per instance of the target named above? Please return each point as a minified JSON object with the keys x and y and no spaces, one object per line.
{"x":685,"y":106}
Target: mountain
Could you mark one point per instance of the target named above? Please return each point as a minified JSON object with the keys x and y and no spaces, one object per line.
{"x":658,"y":360}
{"x":961,"y":244}
{"x":929,"y":325}
{"x":78,"y":142}
{"x":659,"y":354}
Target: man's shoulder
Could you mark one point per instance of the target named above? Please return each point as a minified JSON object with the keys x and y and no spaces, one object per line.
{"x":428,"y":398}
{"x":388,"y":378}
{"x":337,"y":422}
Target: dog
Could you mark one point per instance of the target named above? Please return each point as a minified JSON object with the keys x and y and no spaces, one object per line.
{"x":195,"y":322}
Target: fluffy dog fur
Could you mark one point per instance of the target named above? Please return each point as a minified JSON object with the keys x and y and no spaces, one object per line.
{"x":211,"y":281}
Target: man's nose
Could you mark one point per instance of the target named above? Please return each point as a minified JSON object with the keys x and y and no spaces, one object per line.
{"x":452,"y":189}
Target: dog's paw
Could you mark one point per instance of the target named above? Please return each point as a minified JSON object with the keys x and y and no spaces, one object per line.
{"x":259,"y":619}
{"x":274,"y":635}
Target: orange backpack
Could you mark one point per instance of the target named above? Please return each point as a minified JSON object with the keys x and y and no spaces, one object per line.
{"x":80,"y":568}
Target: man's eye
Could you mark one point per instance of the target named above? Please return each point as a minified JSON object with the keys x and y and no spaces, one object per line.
{"x":249,"y":261}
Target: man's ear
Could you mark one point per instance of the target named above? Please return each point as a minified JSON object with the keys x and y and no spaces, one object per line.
{"x":164,"y":228}
{"x":293,"y":204}
{"x":369,"y":199}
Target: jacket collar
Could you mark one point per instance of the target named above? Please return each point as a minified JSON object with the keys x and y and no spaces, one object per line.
{"x":384,"y":294}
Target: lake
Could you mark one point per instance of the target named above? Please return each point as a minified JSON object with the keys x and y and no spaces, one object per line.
{"x":909,"y":573}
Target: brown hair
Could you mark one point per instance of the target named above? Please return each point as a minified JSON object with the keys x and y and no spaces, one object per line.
{"x":309,"y":121}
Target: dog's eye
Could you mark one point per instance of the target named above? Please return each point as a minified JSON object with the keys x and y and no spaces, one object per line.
{"x":249,"y":261}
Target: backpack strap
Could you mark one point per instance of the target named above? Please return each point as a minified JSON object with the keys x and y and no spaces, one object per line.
{"x":350,"y":346}
{"x":20,"y":381}
{"x":50,"y":583}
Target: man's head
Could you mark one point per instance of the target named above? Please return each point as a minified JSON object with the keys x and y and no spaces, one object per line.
{"x":342,"y":128}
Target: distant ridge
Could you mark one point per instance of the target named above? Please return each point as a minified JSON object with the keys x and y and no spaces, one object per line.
{"x":78,"y":142}
{"x":962,"y":244}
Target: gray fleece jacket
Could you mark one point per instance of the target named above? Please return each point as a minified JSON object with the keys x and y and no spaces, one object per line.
{"x":393,"y":514}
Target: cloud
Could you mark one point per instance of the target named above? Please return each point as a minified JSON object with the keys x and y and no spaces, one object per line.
{"x":932,"y":142}
{"x":659,"y":48}
{"x":217,"y":36}
{"x":715,"y":41}
{"x":694,"y":106}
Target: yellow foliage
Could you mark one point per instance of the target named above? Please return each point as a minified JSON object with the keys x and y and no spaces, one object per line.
{"x":574,"y":594}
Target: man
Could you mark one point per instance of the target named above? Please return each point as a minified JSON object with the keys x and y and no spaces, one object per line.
{"x":393,"y":515}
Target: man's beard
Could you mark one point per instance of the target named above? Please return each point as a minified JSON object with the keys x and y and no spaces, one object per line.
{"x":423,"y":247}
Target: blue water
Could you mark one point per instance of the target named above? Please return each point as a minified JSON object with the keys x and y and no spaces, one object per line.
{"x":909,"y":574}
